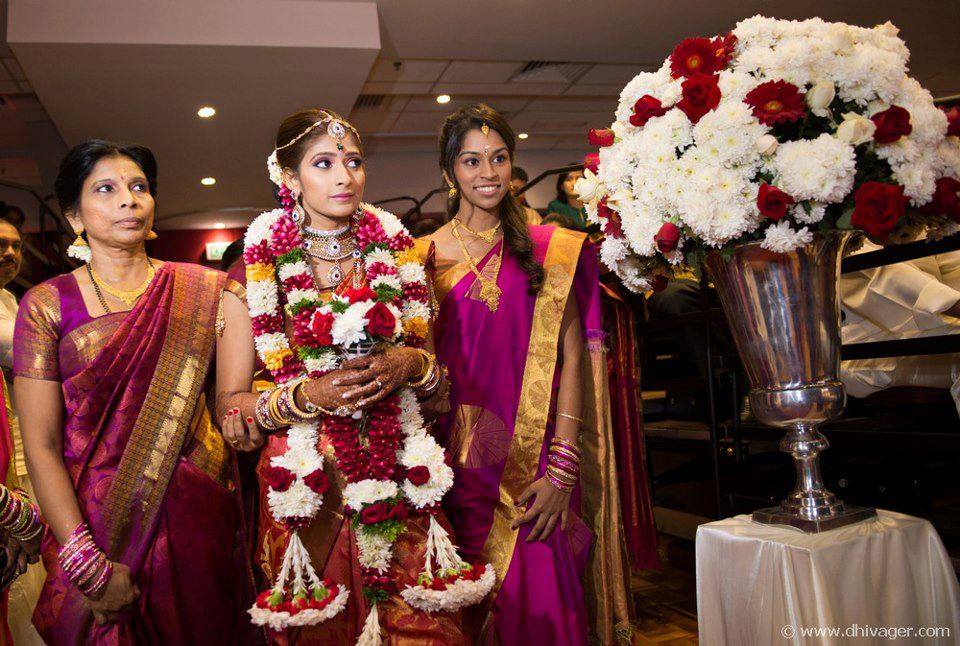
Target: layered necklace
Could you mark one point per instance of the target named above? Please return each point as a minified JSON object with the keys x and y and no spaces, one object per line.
{"x":333,"y":246}
{"x":127,"y":296}
{"x":490,"y":292}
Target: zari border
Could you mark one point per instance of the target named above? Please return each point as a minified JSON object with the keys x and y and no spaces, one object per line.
{"x":168,"y":410}
{"x":523,"y":458}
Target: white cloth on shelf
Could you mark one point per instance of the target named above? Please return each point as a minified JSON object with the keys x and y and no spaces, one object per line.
{"x":901,"y":301}
{"x":8,"y":317}
{"x":767,"y":584}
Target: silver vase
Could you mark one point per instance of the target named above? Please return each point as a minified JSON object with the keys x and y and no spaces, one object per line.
{"x":784,"y":315}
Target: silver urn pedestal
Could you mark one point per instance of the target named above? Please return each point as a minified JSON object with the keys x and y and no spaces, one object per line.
{"x":784,"y":316}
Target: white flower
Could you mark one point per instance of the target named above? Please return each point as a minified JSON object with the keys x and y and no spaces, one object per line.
{"x":274,"y":172}
{"x":259,"y":229}
{"x":817,"y":211}
{"x":412,"y":272}
{"x":367,"y":492}
{"x":424,"y":451}
{"x":350,"y":327}
{"x":271,"y":342}
{"x":382,"y":256}
{"x":299,"y":501}
{"x":414,"y":309}
{"x":391,"y":224}
{"x":855,"y":129}
{"x":386,"y":280}
{"x":326,"y":362}
{"x":589,"y":187}
{"x":375,"y":550}
{"x":780,"y":238}
{"x":297,"y":295}
{"x":767,"y":145}
{"x":821,"y":169}
{"x":290,"y":269}
{"x":820,"y":96}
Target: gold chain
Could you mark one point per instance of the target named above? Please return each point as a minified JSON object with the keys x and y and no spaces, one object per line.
{"x":490,"y":292}
{"x":128,"y":296}
{"x":487,"y":236}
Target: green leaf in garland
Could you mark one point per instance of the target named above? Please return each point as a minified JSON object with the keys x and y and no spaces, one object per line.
{"x":338,"y":306}
{"x":294,"y":255}
{"x":845,"y":221}
{"x":387,"y":294}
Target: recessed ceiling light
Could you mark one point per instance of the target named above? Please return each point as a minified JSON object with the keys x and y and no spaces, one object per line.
{"x":219,"y":225}
{"x":522,"y":135}
{"x":206,"y":112}
{"x":443,"y":98}
{"x":208,"y":181}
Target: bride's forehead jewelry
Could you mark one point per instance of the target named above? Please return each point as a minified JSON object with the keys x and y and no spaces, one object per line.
{"x":336,"y":128}
{"x":485,"y":129}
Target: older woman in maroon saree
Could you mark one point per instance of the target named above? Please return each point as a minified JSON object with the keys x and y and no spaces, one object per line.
{"x":152,"y":476}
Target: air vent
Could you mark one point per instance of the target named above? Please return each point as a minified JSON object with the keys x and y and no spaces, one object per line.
{"x":550,"y":72}
{"x":369,"y":101}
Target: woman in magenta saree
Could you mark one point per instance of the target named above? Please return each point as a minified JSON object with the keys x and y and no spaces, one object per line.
{"x":505,"y":365}
{"x":151,"y":475}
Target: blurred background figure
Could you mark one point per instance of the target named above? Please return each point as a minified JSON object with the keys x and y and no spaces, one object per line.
{"x":519,"y":179}
{"x":566,"y":209}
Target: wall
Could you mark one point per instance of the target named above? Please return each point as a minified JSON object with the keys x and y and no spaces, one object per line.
{"x":189,"y":245}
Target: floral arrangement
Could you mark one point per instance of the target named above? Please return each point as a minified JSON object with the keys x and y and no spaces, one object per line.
{"x":770,"y":133}
{"x":392,"y":465}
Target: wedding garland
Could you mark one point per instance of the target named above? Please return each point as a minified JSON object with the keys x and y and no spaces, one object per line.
{"x":392,"y":465}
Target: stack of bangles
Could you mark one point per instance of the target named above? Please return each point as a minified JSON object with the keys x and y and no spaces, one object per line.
{"x":432,"y":374}
{"x":85,"y":565}
{"x":19,"y":517}
{"x":563,"y":464}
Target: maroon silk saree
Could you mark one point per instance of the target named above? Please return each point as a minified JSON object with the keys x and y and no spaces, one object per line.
{"x":152,"y":475}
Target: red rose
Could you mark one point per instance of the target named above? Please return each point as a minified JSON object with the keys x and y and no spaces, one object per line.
{"x":877,"y":208}
{"x":601,"y":138}
{"x":419,"y":475}
{"x":278,"y":478}
{"x":953,"y":120}
{"x":773,"y":202}
{"x":647,"y":107}
{"x":694,"y":56}
{"x":355,"y":295}
{"x":892,"y":123}
{"x":399,"y":511}
{"x":610,"y":219}
{"x":320,"y":326}
{"x":381,"y":321}
{"x":668,"y":237}
{"x":701,"y":94}
{"x":776,"y":102}
{"x":317,"y":481}
{"x":946,"y":199}
{"x":592,"y":163}
{"x":723,"y":49}
{"x":375,"y":513}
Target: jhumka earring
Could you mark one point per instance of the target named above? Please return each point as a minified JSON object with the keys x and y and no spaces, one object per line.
{"x":79,"y":249}
{"x":152,"y":235}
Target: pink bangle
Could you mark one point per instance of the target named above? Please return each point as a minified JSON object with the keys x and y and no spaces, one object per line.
{"x":565,"y":465}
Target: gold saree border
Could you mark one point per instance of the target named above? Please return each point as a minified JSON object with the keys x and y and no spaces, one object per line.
{"x":523,"y":458}
{"x":168,"y":410}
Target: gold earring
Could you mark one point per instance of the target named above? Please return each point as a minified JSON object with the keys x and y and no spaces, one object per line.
{"x":152,"y":235}
{"x":80,"y":242}
{"x":452,"y":192}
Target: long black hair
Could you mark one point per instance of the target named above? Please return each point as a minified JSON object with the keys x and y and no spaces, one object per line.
{"x":512,"y":216}
{"x":80,"y":160}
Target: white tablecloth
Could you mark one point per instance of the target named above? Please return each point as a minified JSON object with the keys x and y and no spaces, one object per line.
{"x":771,"y":584}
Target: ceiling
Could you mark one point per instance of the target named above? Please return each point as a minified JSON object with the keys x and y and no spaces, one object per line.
{"x":137,"y":70}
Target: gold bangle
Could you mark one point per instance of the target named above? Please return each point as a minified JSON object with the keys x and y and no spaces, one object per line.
{"x":295,"y":408}
{"x":573,"y":446}
{"x":431,"y":362}
{"x":576,"y":419}
{"x":310,"y":402}
{"x":275,"y":413}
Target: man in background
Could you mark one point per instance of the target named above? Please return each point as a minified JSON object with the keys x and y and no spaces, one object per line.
{"x":518,"y":180}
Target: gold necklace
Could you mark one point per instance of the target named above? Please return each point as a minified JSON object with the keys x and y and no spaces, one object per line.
{"x":487,"y":236}
{"x":490,"y":292}
{"x":128,"y":296}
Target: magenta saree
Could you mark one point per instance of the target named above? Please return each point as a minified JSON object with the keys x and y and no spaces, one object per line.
{"x":152,"y":475}
{"x":504,"y":370}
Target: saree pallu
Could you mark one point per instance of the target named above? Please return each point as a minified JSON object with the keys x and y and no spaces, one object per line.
{"x":331,"y":543}
{"x":640,"y":531}
{"x":151,"y":473}
{"x":504,"y":371}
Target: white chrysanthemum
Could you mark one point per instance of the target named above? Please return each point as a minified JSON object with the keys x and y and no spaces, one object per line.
{"x":413,"y":309}
{"x":918,"y":177}
{"x":412,"y":272}
{"x":411,"y":420}
{"x":350,"y":327}
{"x":297,"y":295}
{"x":424,"y":451}
{"x":655,"y":84}
{"x":382,"y":256}
{"x":299,"y":501}
{"x":817,"y":211}
{"x":947,"y":158}
{"x":271,"y":342}
{"x":375,"y":550}
{"x":718,"y":204}
{"x":290,"y":269}
{"x":391,"y":224}
{"x":259,"y":229}
{"x":326,"y":362}
{"x":728,"y":134}
{"x":821,"y":169}
{"x":301,"y":463}
{"x":613,"y":251}
{"x":303,"y":437}
{"x":735,"y":85}
{"x":262,"y":297}
{"x":781,"y":238}
{"x":367,"y":492}
{"x":386,"y":280}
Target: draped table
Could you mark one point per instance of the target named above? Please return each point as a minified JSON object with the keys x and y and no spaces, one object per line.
{"x":881,"y":581}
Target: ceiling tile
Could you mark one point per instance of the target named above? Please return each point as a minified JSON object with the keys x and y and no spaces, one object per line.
{"x":15,"y":69}
{"x":396,"y":88}
{"x":501,"y":103}
{"x":494,"y":89}
{"x":611,"y":74}
{"x":580,"y":89}
{"x":426,"y":122}
{"x":479,"y":72}
{"x":9,"y":87}
{"x":580,"y":104}
{"x":410,"y":71}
